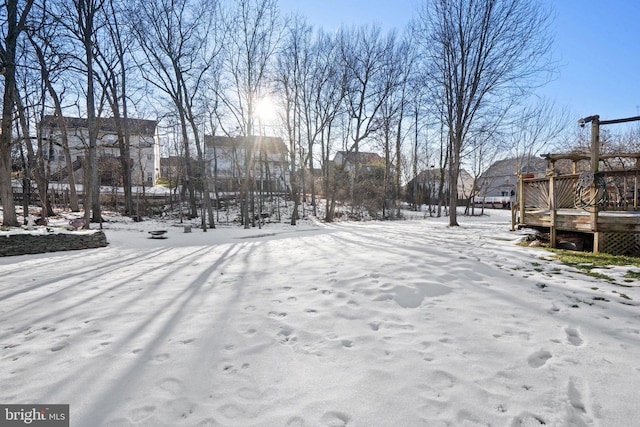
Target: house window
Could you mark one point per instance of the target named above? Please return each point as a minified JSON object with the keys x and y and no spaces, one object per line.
{"x":149,"y":177}
{"x":149,"y":156}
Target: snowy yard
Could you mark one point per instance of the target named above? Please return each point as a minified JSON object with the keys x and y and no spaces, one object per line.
{"x":399,"y":324}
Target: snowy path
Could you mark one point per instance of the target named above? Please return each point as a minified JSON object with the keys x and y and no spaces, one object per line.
{"x":379,"y":324}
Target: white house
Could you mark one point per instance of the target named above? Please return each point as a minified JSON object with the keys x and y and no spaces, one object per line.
{"x":227,"y":157}
{"x":367,"y":161}
{"x":144,"y":150}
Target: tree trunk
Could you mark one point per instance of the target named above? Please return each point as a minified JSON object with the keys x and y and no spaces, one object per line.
{"x":86,"y":13}
{"x":9,"y":218}
{"x":246,"y":185}
{"x":188,"y":168}
{"x":203,"y":172}
{"x":13,"y":29}
{"x":37,"y":171}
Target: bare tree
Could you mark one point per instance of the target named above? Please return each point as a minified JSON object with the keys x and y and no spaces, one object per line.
{"x":254,"y":33}
{"x":483,"y":56}
{"x":112,"y":75}
{"x":15,"y":24}
{"x":323,"y":97}
{"x":30,"y":97}
{"x":422,"y":154}
{"x":365,"y":54}
{"x":536,"y":127}
{"x":293,"y":71}
{"x":82,"y":21}
{"x":54,"y":61}
{"x":179,"y":41}
{"x":393,"y":121}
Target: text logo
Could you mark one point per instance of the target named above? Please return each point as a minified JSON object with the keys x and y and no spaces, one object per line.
{"x":34,"y":415}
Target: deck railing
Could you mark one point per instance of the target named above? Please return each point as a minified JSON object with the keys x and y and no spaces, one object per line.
{"x":619,"y":192}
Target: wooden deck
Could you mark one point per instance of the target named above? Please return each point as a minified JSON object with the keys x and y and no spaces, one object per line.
{"x":581,"y":221}
{"x":609,"y":217}
{"x":602,"y":204}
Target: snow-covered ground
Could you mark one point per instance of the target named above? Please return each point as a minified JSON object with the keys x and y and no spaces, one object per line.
{"x":406,"y":323}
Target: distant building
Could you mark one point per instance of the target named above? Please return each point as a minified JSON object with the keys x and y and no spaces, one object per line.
{"x":367,"y":162}
{"x":227,"y":157}
{"x":502,"y":176}
{"x":144,"y":150}
{"x":370,"y":167}
{"x":171,"y":168}
{"x":424,"y":188}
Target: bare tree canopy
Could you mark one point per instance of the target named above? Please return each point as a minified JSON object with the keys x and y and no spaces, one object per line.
{"x":458,"y":85}
{"x":483,"y":57}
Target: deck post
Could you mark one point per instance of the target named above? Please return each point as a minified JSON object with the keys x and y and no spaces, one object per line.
{"x":595,"y":163}
{"x":521,"y":199}
{"x":635,"y":192}
{"x":552,"y":210}
{"x":515,"y":203}
{"x":595,"y":144}
{"x":596,"y":242}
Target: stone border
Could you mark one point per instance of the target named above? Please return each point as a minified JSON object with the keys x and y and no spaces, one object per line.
{"x":24,"y":243}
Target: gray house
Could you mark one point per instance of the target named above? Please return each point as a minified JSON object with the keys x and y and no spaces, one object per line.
{"x":425,"y":186}
{"x":498,"y":183}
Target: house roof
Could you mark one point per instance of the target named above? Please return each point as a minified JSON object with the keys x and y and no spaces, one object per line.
{"x":363,"y":158}
{"x":428,"y":175}
{"x":270,"y":144}
{"x":106,"y":124}
{"x":514,"y":165}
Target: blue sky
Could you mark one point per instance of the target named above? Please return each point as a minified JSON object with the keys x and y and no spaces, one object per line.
{"x":597,"y":45}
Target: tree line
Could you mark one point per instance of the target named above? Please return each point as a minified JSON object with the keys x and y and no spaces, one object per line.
{"x":455,"y":84}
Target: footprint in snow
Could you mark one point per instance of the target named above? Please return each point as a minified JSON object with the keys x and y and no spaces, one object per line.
{"x":276,"y":314}
{"x":161,"y":357}
{"x":59,"y":347}
{"x":539,"y":358}
{"x":295,"y":422}
{"x":248,"y":393}
{"x":576,"y":409}
{"x":335,"y":419}
{"x":139,"y":414}
{"x":173,"y":386}
{"x":286,"y":336}
{"x":99,"y":348}
{"x":21,"y":355}
{"x":528,"y":419}
{"x":574,"y":337}
{"x":230,"y":368}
